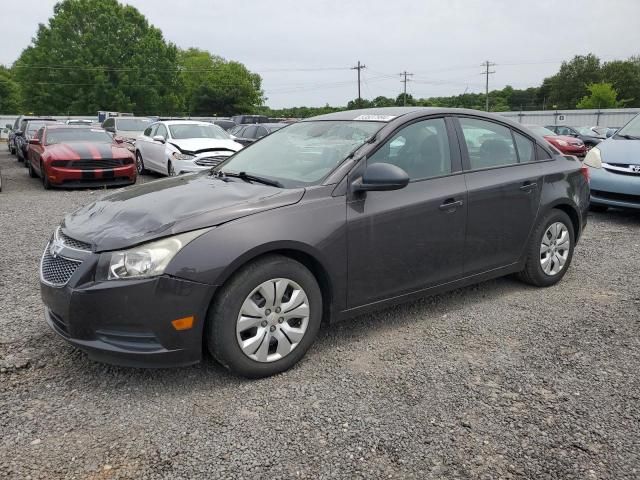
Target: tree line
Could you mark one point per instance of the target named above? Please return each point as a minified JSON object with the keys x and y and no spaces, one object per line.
{"x":103,"y":55}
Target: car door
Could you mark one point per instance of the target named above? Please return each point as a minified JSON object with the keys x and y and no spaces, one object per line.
{"x":143,"y":140}
{"x":503,"y":184}
{"x":405,"y":240}
{"x":156,"y":149}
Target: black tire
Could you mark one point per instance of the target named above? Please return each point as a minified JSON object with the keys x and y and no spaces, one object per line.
{"x":171,"y":172}
{"x":140,"y":164}
{"x":32,"y":172}
{"x":533,"y":273}
{"x":45,"y":180}
{"x":598,"y":208}
{"x":220,"y":329}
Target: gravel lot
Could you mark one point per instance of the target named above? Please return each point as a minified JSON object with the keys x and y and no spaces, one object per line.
{"x":499,"y":380}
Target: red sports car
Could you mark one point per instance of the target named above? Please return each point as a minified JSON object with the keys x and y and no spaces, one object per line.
{"x":564,"y":143}
{"x":78,"y":156}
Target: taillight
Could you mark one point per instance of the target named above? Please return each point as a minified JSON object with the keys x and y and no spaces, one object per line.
{"x":584,"y":170}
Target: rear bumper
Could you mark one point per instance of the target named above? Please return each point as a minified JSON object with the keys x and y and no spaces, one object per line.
{"x":128,"y":323}
{"x":614,"y":189}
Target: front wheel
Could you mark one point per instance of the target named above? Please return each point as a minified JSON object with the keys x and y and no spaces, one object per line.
{"x":171,"y":171}
{"x":140,"y":164}
{"x":45,"y":178}
{"x":550,"y":250}
{"x":265,"y":318}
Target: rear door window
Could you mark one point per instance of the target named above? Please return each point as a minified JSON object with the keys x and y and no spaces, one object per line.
{"x":489,"y":144}
{"x":526,"y":148}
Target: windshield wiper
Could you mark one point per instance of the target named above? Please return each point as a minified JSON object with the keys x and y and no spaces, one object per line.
{"x":627,"y":136}
{"x":249,"y":178}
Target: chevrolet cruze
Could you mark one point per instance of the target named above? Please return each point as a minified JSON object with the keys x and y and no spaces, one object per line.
{"x":327,"y":218}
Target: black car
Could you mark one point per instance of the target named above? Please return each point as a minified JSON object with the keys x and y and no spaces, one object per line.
{"x":247,"y":134}
{"x":224,"y":124}
{"x":325,"y":219}
{"x":243,"y":119}
{"x":586,"y":134}
{"x":26,"y":131}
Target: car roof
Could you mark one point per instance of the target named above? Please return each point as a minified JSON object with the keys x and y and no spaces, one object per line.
{"x":387,"y":114}
{"x":183,"y":122}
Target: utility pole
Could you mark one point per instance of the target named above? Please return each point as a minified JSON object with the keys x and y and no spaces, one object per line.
{"x":487,"y":64}
{"x":358,"y":68}
{"x":405,"y":80}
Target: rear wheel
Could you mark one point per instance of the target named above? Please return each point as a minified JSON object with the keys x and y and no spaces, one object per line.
{"x":265,"y":317}
{"x":550,"y":250}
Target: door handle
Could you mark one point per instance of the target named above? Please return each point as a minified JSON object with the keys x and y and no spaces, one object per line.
{"x":528,"y":186}
{"x":451,"y":204}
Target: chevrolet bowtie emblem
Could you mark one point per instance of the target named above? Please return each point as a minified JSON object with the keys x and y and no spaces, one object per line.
{"x":56,"y":248}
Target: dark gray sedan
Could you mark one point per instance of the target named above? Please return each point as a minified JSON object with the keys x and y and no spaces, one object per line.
{"x":322,"y":220}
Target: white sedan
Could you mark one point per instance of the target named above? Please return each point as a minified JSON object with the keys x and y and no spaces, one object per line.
{"x":182,"y":146}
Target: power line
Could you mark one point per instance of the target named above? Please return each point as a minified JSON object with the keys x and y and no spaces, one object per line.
{"x":487,"y":64}
{"x":405,"y":80}
{"x":359,"y":67}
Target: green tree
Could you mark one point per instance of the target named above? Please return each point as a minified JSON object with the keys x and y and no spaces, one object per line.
{"x":95,"y":55}
{"x":569,"y":85}
{"x":624,"y":75}
{"x":602,"y":95}
{"x":214,"y":85}
{"x":10,"y":101}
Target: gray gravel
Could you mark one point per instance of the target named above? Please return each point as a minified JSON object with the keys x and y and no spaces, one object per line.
{"x":498,"y":380}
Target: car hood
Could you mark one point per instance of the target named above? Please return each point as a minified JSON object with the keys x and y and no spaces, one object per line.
{"x":198,"y":145}
{"x":129,"y":134}
{"x":166,"y":207}
{"x":620,"y":150}
{"x":566,"y":138}
{"x":86,"y":150}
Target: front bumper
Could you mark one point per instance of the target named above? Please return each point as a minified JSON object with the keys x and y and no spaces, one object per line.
{"x":200,"y":163}
{"x":72,"y":178}
{"x":614,"y":189}
{"x":128,"y":322}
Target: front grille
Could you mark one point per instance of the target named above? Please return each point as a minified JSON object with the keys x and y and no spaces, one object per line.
{"x":210,"y":161}
{"x":92,"y":164}
{"x":56,"y":271}
{"x":621,"y":197}
{"x":72,"y":242}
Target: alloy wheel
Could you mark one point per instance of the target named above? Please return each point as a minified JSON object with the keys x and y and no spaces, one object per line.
{"x":172,"y":171}
{"x":554,"y":249}
{"x":139,"y":163}
{"x":273,"y":320}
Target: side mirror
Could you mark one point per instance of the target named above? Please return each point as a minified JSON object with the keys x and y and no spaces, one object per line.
{"x":609,"y":133}
{"x":159,"y":138}
{"x":380,"y":177}
{"x":34,"y":141}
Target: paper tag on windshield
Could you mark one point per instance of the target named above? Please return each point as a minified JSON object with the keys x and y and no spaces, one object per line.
{"x":377,"y":118}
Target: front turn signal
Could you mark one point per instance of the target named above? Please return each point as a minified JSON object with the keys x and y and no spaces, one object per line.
{"x":184,"y":323}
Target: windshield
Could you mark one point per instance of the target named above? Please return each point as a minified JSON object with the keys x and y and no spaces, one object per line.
{"x":68,"y":135}
{"x":631,"y":129}
{"x":194,"y":130}
{"x":543,"y":132}
{"x":303,"y":153}
{"x":35,"y":126}
{"x":133,"y":124}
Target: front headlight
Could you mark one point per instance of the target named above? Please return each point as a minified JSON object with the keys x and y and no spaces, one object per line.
{"x":182,"y":156}
{"x":150,"y":259}
{"x":593,"y":158}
